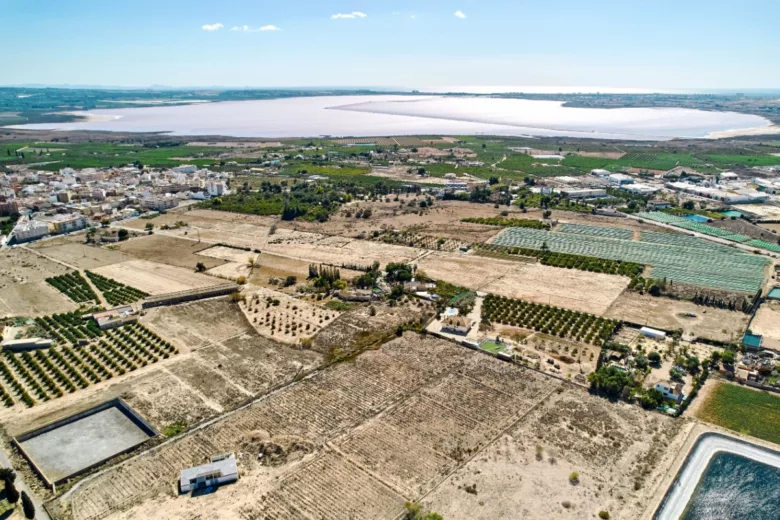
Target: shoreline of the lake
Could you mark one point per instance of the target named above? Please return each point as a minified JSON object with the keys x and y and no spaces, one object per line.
{"x":374,"y":115}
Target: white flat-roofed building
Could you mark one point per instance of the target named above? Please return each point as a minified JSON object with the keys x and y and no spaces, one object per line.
{"x":30,"y":230}
{"x":584,"y":193}
{"x":221,"y":470}
{"x":159,"y":203}
{"x":653,"y":333}
{"x":598,"y":172}
{"x":619,"y":178}
{"x":639,"y":188}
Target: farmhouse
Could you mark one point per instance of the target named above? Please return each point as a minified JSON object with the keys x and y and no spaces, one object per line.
{"x":456,"y":325}
{"x":221,"y":470}
{"x":671,"y":391}
{"x":117,"y":317}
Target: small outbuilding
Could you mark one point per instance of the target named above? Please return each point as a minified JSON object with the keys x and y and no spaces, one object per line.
{"x":221,"y":470}
{"x":653,"y":333}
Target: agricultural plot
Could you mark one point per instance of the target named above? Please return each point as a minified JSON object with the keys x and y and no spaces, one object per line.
{"x":597,"y":231}
{"x":284,"y":318}
{"x":564,"y":323}
{"x":410,"y":239}
{"x":19,"y":266}
{"x":668,"y":314}
{"x":163,"y":249}
{"x":369,"y":456}
{"x":196,"y":324}
{"x":767,"y":323}
{"x":619,"y":452}
{"x":33,"y":299}
{"x":569,"y":288}
{"x":115,"y":293}
{"x":80,"y":255}
{"x":718,"y":269}
{"x":763,"y":244}
{"x":698,"y":227}
{"x":74,"y":286}
{"x":338,"y":251}
{"x":153,"y":278}
{"x":32,"y":377}
{"x":747,"y":411}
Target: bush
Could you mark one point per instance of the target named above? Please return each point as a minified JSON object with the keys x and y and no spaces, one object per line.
{"x":574,"y":477}
{"x":604,"y":515}
{"x":27,"y":506}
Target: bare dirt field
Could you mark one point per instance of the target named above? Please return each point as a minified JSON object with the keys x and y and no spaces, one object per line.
{"x":197,"y":324}
{"x":442,"y":220}
{"x":167,"y":250}
{"x":154,"y":278}
{"x":418,"y":418}
{"x":615,"y":448}
{"x":767,"y":324}
{"x":83,"y":256}
{"x":334,"y":250}
{"x":22,"y":266}
{"x":33,"y":299}
{"x":568,"y":288}
{"x":669,"y":314}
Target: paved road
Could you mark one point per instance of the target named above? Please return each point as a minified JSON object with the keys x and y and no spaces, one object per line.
{"x":40,"y":512}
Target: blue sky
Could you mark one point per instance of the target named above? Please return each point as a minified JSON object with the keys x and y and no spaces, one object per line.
{"x":642,"y":44}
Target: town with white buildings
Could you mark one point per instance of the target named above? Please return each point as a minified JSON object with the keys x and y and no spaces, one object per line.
{"x":68,"y":200}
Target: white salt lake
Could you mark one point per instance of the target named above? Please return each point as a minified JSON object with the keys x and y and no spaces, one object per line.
{"x":379,"y":115}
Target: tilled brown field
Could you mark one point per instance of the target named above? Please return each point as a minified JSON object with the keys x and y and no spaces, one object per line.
{"x":387,"y":425}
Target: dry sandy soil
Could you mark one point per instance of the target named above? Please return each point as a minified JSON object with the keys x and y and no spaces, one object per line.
{"x":167,"y":250}
{"x":414,"y":419}
{"x":669,"y":314}
{"x":22,"y":266}
{"x":155,"y":278}
{"x":525,"y":473}
{"x":83,"y":256}
{"x":568,"y":288}
{"x":33,"y":299}
{"x":767,"y":323}
{"x":289,"y":321}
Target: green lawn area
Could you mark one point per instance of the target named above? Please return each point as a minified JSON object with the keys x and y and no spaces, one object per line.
{"x":726,"y":161}
{"x":492,"y":347}
{"x":744,"y":410}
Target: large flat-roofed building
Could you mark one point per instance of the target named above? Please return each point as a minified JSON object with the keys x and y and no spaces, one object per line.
{"x":23,"y":345}
{"x":584,"y":193}
{"x":30,"y":230}
{"x":68,"y":223}
{"x":221,"y":470}
{"x":159,"y":203}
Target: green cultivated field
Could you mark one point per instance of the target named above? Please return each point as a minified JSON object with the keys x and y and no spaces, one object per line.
{"x":744,"y":410}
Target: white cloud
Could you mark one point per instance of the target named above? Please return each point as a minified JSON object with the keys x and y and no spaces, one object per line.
{"x":212,"y":27}
{"x":353,"y":14}
{"x":413,"y":16}
{"x":246,"y":28}
{"x":459,"y":14}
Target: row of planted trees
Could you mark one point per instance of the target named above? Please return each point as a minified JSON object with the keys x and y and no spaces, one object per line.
{"x":547,"y":319}
{"x":115,"y":292}
{"x":74,"y":286}
{"x":590,"y":264}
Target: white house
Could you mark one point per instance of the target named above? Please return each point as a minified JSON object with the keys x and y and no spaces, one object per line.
{"x":671,"y":391}
{"x":460,"y":325}
{"x":216,"y":188}
{"x":30,"y":230}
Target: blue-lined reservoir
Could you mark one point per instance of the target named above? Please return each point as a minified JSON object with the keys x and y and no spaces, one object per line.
{"x":736,"y":487}
{"x":724,"y":478}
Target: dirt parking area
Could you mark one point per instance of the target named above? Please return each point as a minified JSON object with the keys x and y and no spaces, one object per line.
{"x":668,"y":314}
{"x":167,"y":250}
{"x":33,"y":299}
{"x":568,"y":288}
{"x":767,"y":323}
{"x":154,"y":278}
